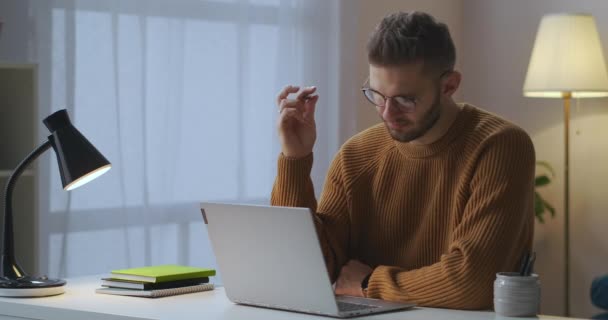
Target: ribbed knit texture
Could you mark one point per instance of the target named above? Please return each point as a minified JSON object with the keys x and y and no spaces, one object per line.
{"x":436,"y":222}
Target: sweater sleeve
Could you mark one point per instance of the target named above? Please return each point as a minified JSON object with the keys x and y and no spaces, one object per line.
{"x":496,"y":228}
{"x":293,"y":188}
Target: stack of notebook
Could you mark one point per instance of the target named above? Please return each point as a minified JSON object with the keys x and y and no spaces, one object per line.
{"x":157,"y":281}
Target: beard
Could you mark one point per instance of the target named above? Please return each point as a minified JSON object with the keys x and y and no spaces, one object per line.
{"x":429,"y":119}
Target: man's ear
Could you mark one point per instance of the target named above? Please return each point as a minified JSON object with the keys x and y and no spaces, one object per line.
{"x":451,"y":82}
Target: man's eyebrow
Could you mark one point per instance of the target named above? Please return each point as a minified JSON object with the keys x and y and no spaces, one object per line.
{"x":406,"y":95}
{"x":411,"y":96}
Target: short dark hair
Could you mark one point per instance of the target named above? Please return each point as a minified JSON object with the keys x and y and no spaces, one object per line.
{"x":402,"y":38}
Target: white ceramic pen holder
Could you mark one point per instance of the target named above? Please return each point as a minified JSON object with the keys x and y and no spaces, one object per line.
{"x":516,"y":295}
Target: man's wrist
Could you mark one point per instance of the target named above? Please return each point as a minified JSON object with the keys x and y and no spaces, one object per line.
{"x":295,"y":156}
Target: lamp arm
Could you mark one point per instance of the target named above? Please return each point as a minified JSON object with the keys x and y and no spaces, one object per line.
{"x":8,"y":249}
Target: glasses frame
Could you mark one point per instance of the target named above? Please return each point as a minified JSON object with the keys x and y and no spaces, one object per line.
{"x":406,"y":104}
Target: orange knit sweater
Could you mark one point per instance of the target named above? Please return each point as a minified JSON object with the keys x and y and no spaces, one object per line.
{"x":436,"y":222}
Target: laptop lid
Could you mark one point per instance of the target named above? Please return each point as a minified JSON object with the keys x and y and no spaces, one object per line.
{"x":270,"y":256}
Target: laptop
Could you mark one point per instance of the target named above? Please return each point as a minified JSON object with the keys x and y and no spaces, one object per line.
{"x":271,"y":257}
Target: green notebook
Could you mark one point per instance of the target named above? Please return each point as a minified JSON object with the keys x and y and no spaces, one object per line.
{"x":162,"y":273}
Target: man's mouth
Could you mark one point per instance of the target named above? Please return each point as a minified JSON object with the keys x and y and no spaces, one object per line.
{"x":397,"y":125}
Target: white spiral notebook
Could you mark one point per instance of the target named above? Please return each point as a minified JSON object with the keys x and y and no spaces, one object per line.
{"x":156,"y":293}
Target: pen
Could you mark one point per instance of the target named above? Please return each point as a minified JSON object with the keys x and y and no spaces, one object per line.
{"x":530,"y":264}
{"x":524,"y":263}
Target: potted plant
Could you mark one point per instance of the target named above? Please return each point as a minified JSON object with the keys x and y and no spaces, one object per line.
{"x":540,"y":204}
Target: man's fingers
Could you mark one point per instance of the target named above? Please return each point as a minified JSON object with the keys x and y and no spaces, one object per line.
{"x":285,"y":92}
{"x":303,"y":95}
{"x":302,"y":108}
{"x":289,"y":104}
{"x":306,"y":92}
{"x":309,"y":106}
{"x":354,"y":263}
{"x":290,"y":113}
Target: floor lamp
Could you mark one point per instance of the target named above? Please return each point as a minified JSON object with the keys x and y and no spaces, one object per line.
{"x":567,"y":62}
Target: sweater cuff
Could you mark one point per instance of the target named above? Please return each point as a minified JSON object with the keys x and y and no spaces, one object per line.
{"x":374,"y":284}
{"x":292,"y":186}
{"x":296,"y":169}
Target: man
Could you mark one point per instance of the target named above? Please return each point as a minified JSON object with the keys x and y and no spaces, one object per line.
{"x":427,"y":206}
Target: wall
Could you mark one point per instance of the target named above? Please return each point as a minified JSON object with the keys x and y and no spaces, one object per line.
{"x":16,"y":27}
{"x":498,"y":41}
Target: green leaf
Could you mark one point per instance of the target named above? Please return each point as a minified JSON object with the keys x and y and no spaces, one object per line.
{"x":541,"y":181}
{"x":547,"y":166}
{"x":540,"y":218}
{"x":539,"y":207}
{"x":549,"y":207}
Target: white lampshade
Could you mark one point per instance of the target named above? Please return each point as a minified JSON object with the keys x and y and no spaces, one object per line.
{"x":567,"y":58}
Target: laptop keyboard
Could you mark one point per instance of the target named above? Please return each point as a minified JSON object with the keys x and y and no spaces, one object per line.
{"x":347,"y":306}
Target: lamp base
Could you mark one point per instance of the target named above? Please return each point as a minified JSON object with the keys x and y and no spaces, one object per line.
{"x":29,"y":286}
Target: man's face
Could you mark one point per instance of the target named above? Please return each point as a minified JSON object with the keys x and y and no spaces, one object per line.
{"x":409,"y":80}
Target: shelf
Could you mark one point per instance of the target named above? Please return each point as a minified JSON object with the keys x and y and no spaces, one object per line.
{"x":18,"y":132}
{"x":7,"y":173}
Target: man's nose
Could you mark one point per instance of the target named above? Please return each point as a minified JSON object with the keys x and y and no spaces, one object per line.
{"x":391,"y":108}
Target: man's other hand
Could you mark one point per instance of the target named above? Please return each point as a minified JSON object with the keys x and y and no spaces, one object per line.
{"x":351,"y":276}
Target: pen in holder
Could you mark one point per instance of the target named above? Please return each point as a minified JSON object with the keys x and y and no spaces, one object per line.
{"x":527,"y":264}
{"x":517,"y":294}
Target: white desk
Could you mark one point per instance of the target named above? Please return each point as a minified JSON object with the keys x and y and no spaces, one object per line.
{"x":81,"y":302}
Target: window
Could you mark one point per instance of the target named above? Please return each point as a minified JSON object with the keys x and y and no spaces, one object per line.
{"x":179,"y":96}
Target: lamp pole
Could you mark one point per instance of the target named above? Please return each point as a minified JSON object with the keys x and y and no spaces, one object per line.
{"x":567,"y":99}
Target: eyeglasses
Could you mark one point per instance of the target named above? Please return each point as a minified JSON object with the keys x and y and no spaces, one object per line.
{"x":405,"y":104}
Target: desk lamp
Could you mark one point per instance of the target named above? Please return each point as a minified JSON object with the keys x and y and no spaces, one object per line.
{"x":79,"y":162}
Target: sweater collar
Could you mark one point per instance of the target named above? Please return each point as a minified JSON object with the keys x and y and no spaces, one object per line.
{"x":422,"y":151}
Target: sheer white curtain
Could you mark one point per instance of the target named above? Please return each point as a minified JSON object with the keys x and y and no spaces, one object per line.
{"x":179,"y":96}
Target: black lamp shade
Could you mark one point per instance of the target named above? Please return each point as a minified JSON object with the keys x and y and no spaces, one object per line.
{"x":79,"y":161}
